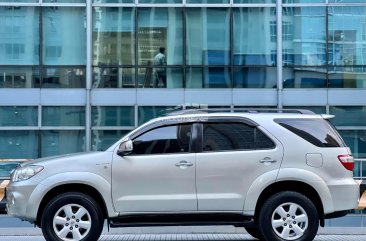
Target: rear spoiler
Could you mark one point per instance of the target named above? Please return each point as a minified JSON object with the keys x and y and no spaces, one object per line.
{"x":327,"y":117}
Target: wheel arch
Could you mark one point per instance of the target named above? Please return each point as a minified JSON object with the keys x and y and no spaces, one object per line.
{"x":71,"y":187}
{"x":295,"y":186}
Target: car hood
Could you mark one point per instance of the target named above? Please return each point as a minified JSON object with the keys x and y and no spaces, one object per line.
{"x":63,"y":158}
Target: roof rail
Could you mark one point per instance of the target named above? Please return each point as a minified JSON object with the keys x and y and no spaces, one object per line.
{"x":249,"y":110}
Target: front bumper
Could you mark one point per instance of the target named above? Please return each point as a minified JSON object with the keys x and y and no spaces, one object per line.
{"x":18,"y":195}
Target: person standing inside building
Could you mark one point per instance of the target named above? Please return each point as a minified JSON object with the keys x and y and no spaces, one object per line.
{"x":159,"y":68}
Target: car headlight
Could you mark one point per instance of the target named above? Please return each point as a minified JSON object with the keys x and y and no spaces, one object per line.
{"x":24,"y":173}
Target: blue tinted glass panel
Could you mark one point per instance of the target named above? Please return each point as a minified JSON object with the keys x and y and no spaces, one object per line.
{"x":6,"y":168}
{"x":64,"y":36}
{"x":255,"y":77}
{"x":146,"y":113}
{"x":160,"y":34}
{"x":19,"y":76}
{"x":356,"y":140}
{"x":254,"y":1}
{"x":304,"y":77}
{"x":304,"y":1}
{"x":105,"y":77}
{"x":160,"y":1}
{"x":209,"y":77}
{"x":346,"y":1}
{"x":315,"y":109}
{"x":347,"y":77}
{"x":348,"y":115}
{"x":20,"y":1}
{"x":56,"y":142}
{"x":19,"y":35}
{"x":346,"y":35}
{"x":304,"y":36}
{"x":114,"y":1}
{"x":208,"y":36}
{"x":253,"y":45}
{"x":113,"y":116}
{"x":63,"y":116}
{"x":18,"y":144}
{"x":18,"y":116}
{"x":64,"y":1}
{"x":62,"y":77}
{"x":113,"y":36}
{"x":160,"y":77}
{"x":208,"y":1}
{"x":102,"y":139}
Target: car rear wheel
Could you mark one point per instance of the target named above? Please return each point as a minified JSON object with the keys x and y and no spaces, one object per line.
{"x":72,"y":216}
{"x":288,"y":216}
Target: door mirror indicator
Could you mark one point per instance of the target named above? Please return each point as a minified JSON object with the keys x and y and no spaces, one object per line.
{"x":125,"y":148}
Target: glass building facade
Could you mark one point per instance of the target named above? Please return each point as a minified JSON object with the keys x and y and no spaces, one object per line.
{"x":77,"y":75}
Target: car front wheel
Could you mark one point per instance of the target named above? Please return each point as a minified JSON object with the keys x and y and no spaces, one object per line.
{"x":72,"y":216}
{"x":288,"y":216}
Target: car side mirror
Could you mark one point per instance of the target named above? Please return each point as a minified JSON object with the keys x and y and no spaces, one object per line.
{"x":125,"y":148}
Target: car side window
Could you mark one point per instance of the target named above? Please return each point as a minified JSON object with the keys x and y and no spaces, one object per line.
{"x":233,"y":136}
{"x":164,"y":140}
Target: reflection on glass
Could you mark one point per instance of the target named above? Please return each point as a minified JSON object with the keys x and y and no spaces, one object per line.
{"x":18,"y":116}
{"x":304,"y":36}
{"x":63,"y":116}
{"x":254,"y":1}
{"x":306,"y":77}
{"x":18,"y":76}
{"x":160,"y":28}
{"x":106,"y":77}
{"x":160,"y":1}
{"x":346,"y":35}
{"x":348,"y":115}
{"x":146,"y":113}
{"x":152,"y":78}
{"x":208,"y":1}
{"x":55,"y":142}
{"x":255,"y":36}
{"x":315,"y":109}
{"x":305,"y":1}
{"x":347,"y":1}
{"x":64,"y":1}
{"x":113,"y":36}
{"x":208,"y":77}
{"x":113,"y":116}
{"x":113,"y":1}
{"x":19,"y":144}
{"x":208,"y":36}
{"x":19,"y":35}
{"x":64,"y":36}
{"x":356,"y":140}
{"x":347,"y":77}
{"x":6,"y":169}
{"x":255,"y":77}
{"x":62,"y":77}
{"x":102,"y":139}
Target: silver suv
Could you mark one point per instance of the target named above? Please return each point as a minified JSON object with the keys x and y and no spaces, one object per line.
{"x":279,"y":175}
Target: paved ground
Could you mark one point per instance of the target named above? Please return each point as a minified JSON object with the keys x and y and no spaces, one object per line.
{"x":186,"y":237}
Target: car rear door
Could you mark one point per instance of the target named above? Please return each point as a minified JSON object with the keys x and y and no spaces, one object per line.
{"x":232,"y":156}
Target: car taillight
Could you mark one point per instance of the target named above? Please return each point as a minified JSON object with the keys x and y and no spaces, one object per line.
{"x":347,"y":161}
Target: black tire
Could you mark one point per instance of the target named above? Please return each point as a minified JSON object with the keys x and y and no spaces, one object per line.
{"x":253,"y":231}
{"x":306,"y":229}
{"x":89,"y":226}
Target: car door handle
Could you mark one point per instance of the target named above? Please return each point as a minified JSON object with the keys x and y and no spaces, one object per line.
{"x":267,"y":160}
{"x":184,"y":164}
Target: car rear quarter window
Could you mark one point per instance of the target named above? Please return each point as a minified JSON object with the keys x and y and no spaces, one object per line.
{"x":233,"y":136}
{"x":317,"y":131}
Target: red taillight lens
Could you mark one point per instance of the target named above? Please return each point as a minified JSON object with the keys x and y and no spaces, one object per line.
{"x":347,"y":162}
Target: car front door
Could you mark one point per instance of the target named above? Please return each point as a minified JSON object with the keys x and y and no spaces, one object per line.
{"x":159,"y":175}
{"x":232,"y":156}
